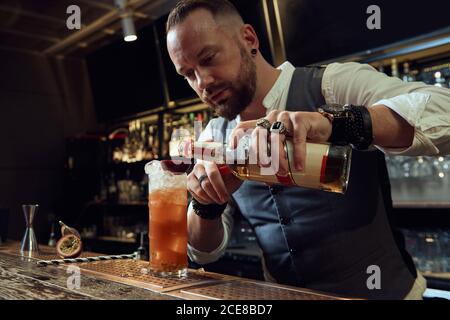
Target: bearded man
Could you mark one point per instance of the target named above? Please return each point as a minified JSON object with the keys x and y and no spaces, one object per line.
{"x":309,"y":238}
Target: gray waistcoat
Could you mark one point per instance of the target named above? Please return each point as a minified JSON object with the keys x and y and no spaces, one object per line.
{"x":327,"y":241}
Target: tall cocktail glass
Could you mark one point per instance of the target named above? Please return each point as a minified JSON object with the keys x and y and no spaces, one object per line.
{"x":167,"y":220}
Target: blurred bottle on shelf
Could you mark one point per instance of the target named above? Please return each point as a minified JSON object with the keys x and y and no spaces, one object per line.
{"x":141,"y":139}
{"x":140,"y":142}
{"x":429,"y":258}
{"x":394,"y":68}
{"x":135,"y":192}
{"x":437,"y":74}
{"x":112,"y":188}
{"x":200,"y":120}
{"x":418,"y":167}
{"x":192,"y":118}
{"x":117,"y":155}
{"x":408,"y":75}
{"x":419,"y":181}
{"x":52,"y":238}
{"x":89,"y":232}
{"x":143,"y":143}
{"x":143,"y":186}
{"x":167,"y":133}
{"x":153,"y":143}
{"x":125,"y":191}
{"x":439,"y":81}
{"x":421,"y":167}
{"x":429,"y":249}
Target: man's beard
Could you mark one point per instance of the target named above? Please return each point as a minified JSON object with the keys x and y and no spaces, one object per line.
{"x":242,"y":90}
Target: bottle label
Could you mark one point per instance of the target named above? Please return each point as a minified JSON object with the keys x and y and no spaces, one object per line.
{"x":316,"y":159}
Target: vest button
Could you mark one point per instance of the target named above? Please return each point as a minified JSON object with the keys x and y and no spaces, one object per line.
{"x":274,"y":189}
{"x":285,"y":220}
{"x":292,"y":250}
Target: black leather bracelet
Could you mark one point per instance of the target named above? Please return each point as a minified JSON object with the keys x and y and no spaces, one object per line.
{"x":208,"y":211}
{"x":352,"y":125}
{"x":362,"y":136}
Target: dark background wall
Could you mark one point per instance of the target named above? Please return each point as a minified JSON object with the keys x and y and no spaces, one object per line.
{"x":315,"y":31}
{"x":42,"y":101}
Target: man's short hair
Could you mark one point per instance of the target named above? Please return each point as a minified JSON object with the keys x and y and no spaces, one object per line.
{"x":218,"y":8}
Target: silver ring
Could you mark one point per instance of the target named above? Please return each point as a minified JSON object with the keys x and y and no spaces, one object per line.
{"x":280,"y":128}
{"x":263,"y":123}
{"x":201,"y":178}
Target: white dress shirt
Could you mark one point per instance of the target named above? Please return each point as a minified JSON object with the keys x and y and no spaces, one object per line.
{"x":425,"y":107}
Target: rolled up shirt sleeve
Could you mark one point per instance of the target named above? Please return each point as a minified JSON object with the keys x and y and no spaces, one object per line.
{"x":208,"y":257}
{"x":425,"y":107}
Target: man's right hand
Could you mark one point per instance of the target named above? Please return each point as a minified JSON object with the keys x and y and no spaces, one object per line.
{"x":214,"y":188}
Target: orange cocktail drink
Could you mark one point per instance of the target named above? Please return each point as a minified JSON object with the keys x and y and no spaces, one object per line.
{"x":167,"y":220}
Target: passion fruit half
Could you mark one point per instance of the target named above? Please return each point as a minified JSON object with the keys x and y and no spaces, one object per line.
{"x":69,"y":246}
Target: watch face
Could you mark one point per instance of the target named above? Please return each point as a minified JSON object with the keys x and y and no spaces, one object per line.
{"x":333,"y":108}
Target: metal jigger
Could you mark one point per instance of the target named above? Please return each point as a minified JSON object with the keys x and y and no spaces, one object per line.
{"x":29,"y":243}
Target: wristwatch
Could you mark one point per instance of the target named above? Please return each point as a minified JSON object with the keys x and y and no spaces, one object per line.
{"x":350,"y":125}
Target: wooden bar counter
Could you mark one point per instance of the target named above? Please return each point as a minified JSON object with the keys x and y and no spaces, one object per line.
{"x":22,"y":278}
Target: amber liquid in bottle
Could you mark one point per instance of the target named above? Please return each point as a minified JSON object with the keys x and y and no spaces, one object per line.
{"x":327,"y":166}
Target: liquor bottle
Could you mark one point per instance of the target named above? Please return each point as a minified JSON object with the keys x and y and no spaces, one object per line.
{"x":206,"y":117}
{"x":407,"y":74}
{"x":167,"y":133}
{"x":394,"y":68}
{"x":327,"y":166}
{"x":112,"y":189}
{"x":439,"y":81}
{"x":52,"y":238}
{"x":192,"y":120}
{"x":153,"y":142}
{"x":198,"y":125}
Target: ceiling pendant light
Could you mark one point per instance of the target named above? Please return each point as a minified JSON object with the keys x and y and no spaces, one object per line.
{"x":129,"y":31}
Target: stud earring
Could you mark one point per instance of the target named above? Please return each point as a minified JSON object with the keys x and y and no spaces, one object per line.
{"x":254,"y":51}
